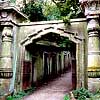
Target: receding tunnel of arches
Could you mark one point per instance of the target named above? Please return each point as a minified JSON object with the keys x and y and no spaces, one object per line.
{"x":49,"y":56}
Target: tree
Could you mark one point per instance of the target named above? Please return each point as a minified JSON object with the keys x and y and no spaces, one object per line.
{"x":51,"y":11}
{"x":70,"y":8}
{"x":34,"y":11}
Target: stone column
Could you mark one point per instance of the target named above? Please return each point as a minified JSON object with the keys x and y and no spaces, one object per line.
{"x":92,"y":12}
{"x":6,"y":72}
{"x":93,"y":47}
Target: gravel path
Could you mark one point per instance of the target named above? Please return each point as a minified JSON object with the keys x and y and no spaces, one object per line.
{"x":54,"y":90}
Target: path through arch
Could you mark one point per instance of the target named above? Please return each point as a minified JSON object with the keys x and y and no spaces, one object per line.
{"x":54,"y":90}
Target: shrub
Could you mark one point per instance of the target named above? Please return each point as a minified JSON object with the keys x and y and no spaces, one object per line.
{"x":20,"y":94}
{"x":66,"y":97}
{"x":82,"y":94}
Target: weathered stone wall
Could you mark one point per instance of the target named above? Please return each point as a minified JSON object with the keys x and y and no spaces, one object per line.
{"x":21,"y":32}
{"x":78,"y":26}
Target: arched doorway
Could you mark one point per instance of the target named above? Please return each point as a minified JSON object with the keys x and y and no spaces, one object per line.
{"x":52,"y":55}
{"x":49,"y":51}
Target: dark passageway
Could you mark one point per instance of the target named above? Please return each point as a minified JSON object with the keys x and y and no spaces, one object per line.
{"x":54,"y":68}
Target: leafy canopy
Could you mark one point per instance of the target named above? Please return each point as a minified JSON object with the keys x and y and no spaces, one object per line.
{"x":70,"y":8}
{"x":49,"y":10}
{"x":34,"y":11}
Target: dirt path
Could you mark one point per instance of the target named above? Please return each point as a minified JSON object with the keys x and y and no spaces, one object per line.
{"x":54,"y":90}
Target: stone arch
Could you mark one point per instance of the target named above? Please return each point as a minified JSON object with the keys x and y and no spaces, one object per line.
{"x":60,"y":31}
{"x":80,"y":49}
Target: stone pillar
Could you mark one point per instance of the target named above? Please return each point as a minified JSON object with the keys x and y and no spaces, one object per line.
{"x":93,"y":47}
{"x":6,"y":71}
{"x":92,"y":11}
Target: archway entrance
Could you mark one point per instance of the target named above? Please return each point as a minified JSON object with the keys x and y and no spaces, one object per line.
{"x":52,"y":55}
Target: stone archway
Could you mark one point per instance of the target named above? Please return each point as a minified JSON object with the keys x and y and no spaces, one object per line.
{"x":80,"y":49}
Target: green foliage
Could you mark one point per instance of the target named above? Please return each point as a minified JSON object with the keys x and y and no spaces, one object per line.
{"x":34,"y":11}
{"x":66,"y":20}
{"x":97,"y":92}
{"x":70,"y":8}
{"x":65,"y":42}
{"x":47,"y":10}
{"x":51,"y":11}
{"x":20,"y":94}
{"x":12,"y":1}
{"x":66,"y":97}
{"x":82,"y":94}
{"x":17,"y":96}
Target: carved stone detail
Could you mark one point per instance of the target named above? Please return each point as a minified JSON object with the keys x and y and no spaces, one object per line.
{"x":6,"y":70}
{"x":92,"y":11}
{"x":4,"y":3}
{"x":90,"y":6}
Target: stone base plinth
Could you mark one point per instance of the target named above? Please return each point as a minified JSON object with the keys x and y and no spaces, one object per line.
{"x":4,"y":86}
{"x":2,"y":98}
{"x":93,"y":84}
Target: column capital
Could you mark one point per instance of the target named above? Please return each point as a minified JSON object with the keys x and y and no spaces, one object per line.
{"x":7,"y":32}
{"x":93,"y":25}
{"x":91,"y":7}
{"x":4,"y":3}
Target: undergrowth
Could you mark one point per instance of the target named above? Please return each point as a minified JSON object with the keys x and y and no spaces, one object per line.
{"x":84,"y":94}
{"x":20,"y":94}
